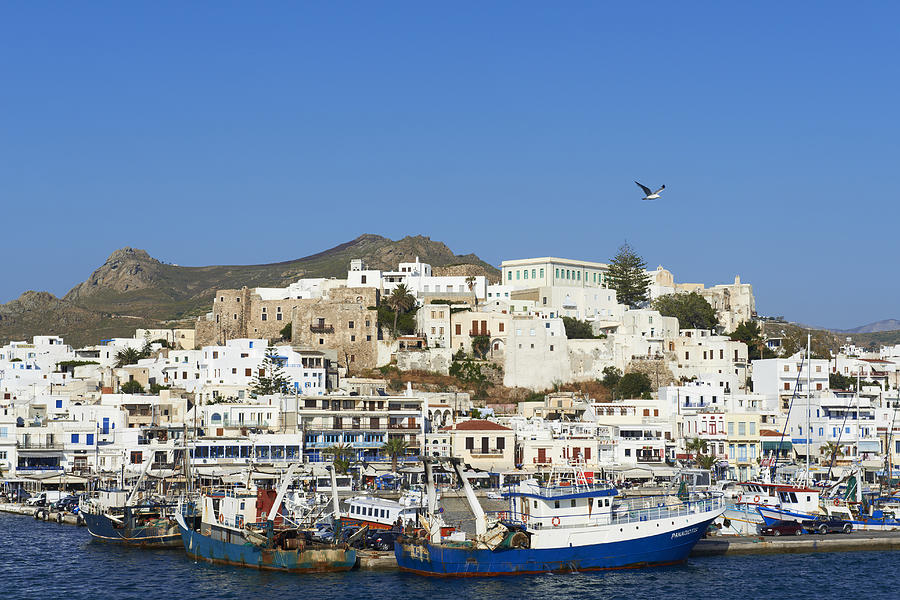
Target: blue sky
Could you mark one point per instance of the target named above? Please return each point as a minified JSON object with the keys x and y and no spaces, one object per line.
{"x":214,"y":133}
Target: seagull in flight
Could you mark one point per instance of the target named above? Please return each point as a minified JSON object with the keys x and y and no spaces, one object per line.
{"x":648,"y":195}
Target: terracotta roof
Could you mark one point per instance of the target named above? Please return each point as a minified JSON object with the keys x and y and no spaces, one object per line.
{"x":477,"y":425}
{"x":769,"y":432}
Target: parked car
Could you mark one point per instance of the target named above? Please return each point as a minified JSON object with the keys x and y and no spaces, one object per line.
{"x":45,"y":498}
{"x":67,"y":504}
{"x":782,"y":528}
{"x":381,"y":539}
{"x":825,"y":525}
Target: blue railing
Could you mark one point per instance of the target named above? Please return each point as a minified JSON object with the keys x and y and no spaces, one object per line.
{"x":621,"y":513}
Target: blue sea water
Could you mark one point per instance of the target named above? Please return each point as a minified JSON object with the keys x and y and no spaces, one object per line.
{"x":44,"y":561}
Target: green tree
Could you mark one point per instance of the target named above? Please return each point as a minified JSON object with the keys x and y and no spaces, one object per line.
{"x":692,"y":310}
{"x":706,"y":461}
{"x":481,"y":344}
{"x":342,"y":456}
{"x":626,"y":275}
{"x":132,"y":387}
{"x":400,"y":300}
{"x":395,"y":448}
{"x":270,"y":377}
{"x":634,"y":385}
{"x":287,"y":332}
{"x":155,"y":388}
{"x":750,"y":333}
{"x":470,"y":283}
{"x":578,"y":330}
{"x":130,"y":356}
{"x":695,"y":446}
{"x":836,"y":381}
{"x":611,"y":377}
{"x":831,"y":450}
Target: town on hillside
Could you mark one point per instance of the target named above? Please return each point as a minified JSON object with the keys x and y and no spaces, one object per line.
{"x":547,"y":366}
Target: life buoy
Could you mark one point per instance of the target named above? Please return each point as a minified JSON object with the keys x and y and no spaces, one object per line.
{"x":755,"y":499}
{"x":555,"y":521}
{"x":221,"y":518}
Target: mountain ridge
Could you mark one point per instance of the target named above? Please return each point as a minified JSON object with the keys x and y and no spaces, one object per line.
{"x":132,"y":289}
{"x":875,"y":327}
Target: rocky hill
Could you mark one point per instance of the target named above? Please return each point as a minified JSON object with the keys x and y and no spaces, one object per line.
{"x":876,"y":327}
{"x":132,"y":289}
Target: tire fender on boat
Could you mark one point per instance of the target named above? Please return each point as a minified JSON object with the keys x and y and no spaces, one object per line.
{"x":59,"y":517}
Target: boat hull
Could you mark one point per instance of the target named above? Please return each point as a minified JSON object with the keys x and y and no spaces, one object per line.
{"x":773,"y":515}
{"x":455,"y":560}
{"x":209,"y":549}
{"x":741,"y":519}
{"x":103,"y":529}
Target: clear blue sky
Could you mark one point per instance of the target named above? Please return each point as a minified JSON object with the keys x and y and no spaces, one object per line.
{"x":228,"y":132}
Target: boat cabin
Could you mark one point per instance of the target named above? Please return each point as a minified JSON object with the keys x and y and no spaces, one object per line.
{"x":378,"y":513}
{"x":537,"y":507}
{"x":788,"y":497}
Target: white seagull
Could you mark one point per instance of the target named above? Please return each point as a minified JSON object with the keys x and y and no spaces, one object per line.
{"x":648,"y":195}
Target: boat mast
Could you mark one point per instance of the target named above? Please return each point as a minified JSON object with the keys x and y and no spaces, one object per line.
{"x":858,"y":369}
{"x":808,"y":394}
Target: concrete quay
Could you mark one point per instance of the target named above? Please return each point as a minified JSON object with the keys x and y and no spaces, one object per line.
{"x":45,"y":514}
{"x":834,"y":542}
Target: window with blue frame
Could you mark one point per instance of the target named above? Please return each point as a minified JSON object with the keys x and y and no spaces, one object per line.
{"x":89,"y":439}
{"x":74,"y":438}
{"x":59,"y":404}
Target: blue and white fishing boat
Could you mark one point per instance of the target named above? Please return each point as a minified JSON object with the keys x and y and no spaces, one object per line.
{"x":561,"y":528}
{"x":743,"y":517}
{"x":246,"y":528}
{"x":875,"y":514}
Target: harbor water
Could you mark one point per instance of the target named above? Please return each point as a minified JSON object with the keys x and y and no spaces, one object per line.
{"x":46,"y":560}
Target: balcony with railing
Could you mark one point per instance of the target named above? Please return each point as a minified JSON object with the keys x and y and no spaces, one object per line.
{"x":39,"y":445}
{"x":321,"y":328}
{"x":492,"y":452}
{"x":477,"y":332}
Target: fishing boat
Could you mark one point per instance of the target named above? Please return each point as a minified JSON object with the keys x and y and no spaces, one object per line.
{"x":743,"y":516}
{"x":111,"y":518}
{"x":863,"y":512}
{"x":115,"y":516}
{"x":560,"y":526}
{"x":246,"y":528}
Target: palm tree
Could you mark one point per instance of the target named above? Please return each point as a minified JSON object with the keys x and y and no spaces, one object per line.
{"x":470,"y":282}
{"x":706,"y":461}
{"x":400,"y":300}
{"x":128,"y":356}
{"x":831,"y":449}
{"x":695,"y":446}
{"x":342,"y":457}
{"x":395,"y":448}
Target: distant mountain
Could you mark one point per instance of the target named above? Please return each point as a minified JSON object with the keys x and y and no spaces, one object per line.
{"x":132,"y":289}
{"x":876,"y":327}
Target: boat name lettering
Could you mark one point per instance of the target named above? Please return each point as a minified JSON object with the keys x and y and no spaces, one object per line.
{"x":683,"y":533}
